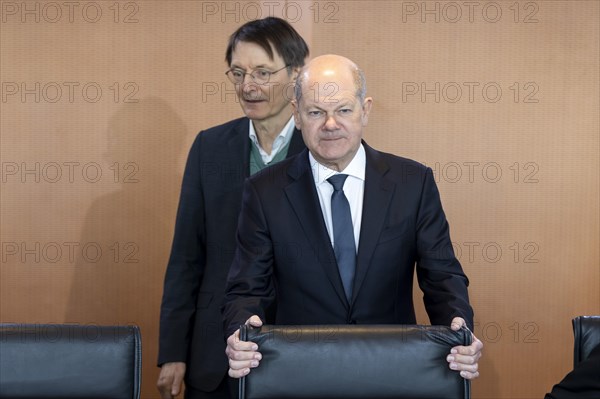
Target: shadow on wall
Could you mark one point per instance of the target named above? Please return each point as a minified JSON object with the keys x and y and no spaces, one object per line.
{"x":127,"y":233}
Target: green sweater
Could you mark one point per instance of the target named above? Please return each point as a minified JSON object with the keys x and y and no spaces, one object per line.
{"x":256,"y":162}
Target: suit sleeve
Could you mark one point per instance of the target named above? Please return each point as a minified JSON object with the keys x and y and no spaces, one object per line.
{"x":186,"y":263}
{"x":582,"y":382}
{"x":250,"y":289}
{"x":439,"y":273}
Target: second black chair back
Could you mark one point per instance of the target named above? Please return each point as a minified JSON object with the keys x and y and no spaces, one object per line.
{"x":587,"y":336}
{"x":69,"y":361}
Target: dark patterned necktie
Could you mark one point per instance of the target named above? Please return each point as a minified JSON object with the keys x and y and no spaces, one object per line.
{"x":343,"y":233}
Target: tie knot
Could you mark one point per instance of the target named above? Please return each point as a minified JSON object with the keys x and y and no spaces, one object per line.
{"x":337,"y":181}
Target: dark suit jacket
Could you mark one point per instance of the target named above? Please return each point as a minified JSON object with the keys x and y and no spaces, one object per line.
{"x":284,"y":255}
{"x":191,"y":328}
{"x":582,"y":382}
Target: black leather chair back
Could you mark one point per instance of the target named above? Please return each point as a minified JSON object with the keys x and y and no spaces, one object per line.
{"x":587,"y":336}
{"x":354,"y":362}
{"x":69,"y":361}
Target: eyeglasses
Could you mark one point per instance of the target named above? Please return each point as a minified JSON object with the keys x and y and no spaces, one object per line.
{"x":259,"y":76}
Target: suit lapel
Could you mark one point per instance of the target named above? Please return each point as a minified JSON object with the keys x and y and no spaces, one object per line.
{"x":377,"y":196}
{"x":303,"y":197}
{"x":296,"y":144}
{"x":239,"y":144}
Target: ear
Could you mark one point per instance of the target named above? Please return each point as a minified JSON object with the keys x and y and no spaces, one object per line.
{"x":366,"y":110}
{"x":296,"y":113}
{"x":294,"y":74}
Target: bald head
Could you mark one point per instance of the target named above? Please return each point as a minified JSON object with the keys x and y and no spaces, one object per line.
{"x":331,"y":109}
{"x":331,"y":70}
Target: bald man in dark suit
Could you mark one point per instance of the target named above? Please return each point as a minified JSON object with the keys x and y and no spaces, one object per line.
{"x":293,"y":258}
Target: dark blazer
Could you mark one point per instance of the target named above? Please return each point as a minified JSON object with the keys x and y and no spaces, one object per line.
{"x":582,"y":382}
{"x":191,"y":328}
{"x":285,"y":263}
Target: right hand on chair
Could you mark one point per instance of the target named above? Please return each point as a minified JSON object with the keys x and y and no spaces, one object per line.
{"x":170,"y":379}
{"x":242,"y":355}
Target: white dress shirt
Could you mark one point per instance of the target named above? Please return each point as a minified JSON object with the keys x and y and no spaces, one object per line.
{"x":354,"y":188}
{"x":280,"y":142}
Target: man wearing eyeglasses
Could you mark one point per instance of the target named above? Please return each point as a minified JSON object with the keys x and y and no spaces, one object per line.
{"x":264,"y":57}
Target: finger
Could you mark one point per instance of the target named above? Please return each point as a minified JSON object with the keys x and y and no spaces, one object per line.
{"x":245,"y":346}
{"x":457,"y":323}
{"x":459,"y":362}
{"x":232,"y":339}
{"x":466,"y":369}
{"x":176,"y":386}
{"x":234,"y":343}
{"x":460,"y":359}
{"x":243,"y":364}
{"x":254,"y":321}
{"x":464,"y":350}
{"x":165,"y":394}
{"x":243,"y":355}
{"x":464,"y":359}
{"x":164,"y":388}
{"x":468,"y":375}
{"x":470,"y":350}
{"x":238,"y":373}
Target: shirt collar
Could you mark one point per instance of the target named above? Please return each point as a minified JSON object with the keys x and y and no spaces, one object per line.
{"x":283,"y":136}
{"x":355,"y":168}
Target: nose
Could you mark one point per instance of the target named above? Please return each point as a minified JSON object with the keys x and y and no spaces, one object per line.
{"x":331,"y":123}
{"x":249,"y":87}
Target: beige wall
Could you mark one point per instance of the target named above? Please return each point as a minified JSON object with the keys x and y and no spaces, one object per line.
{"x":102,"y":99}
